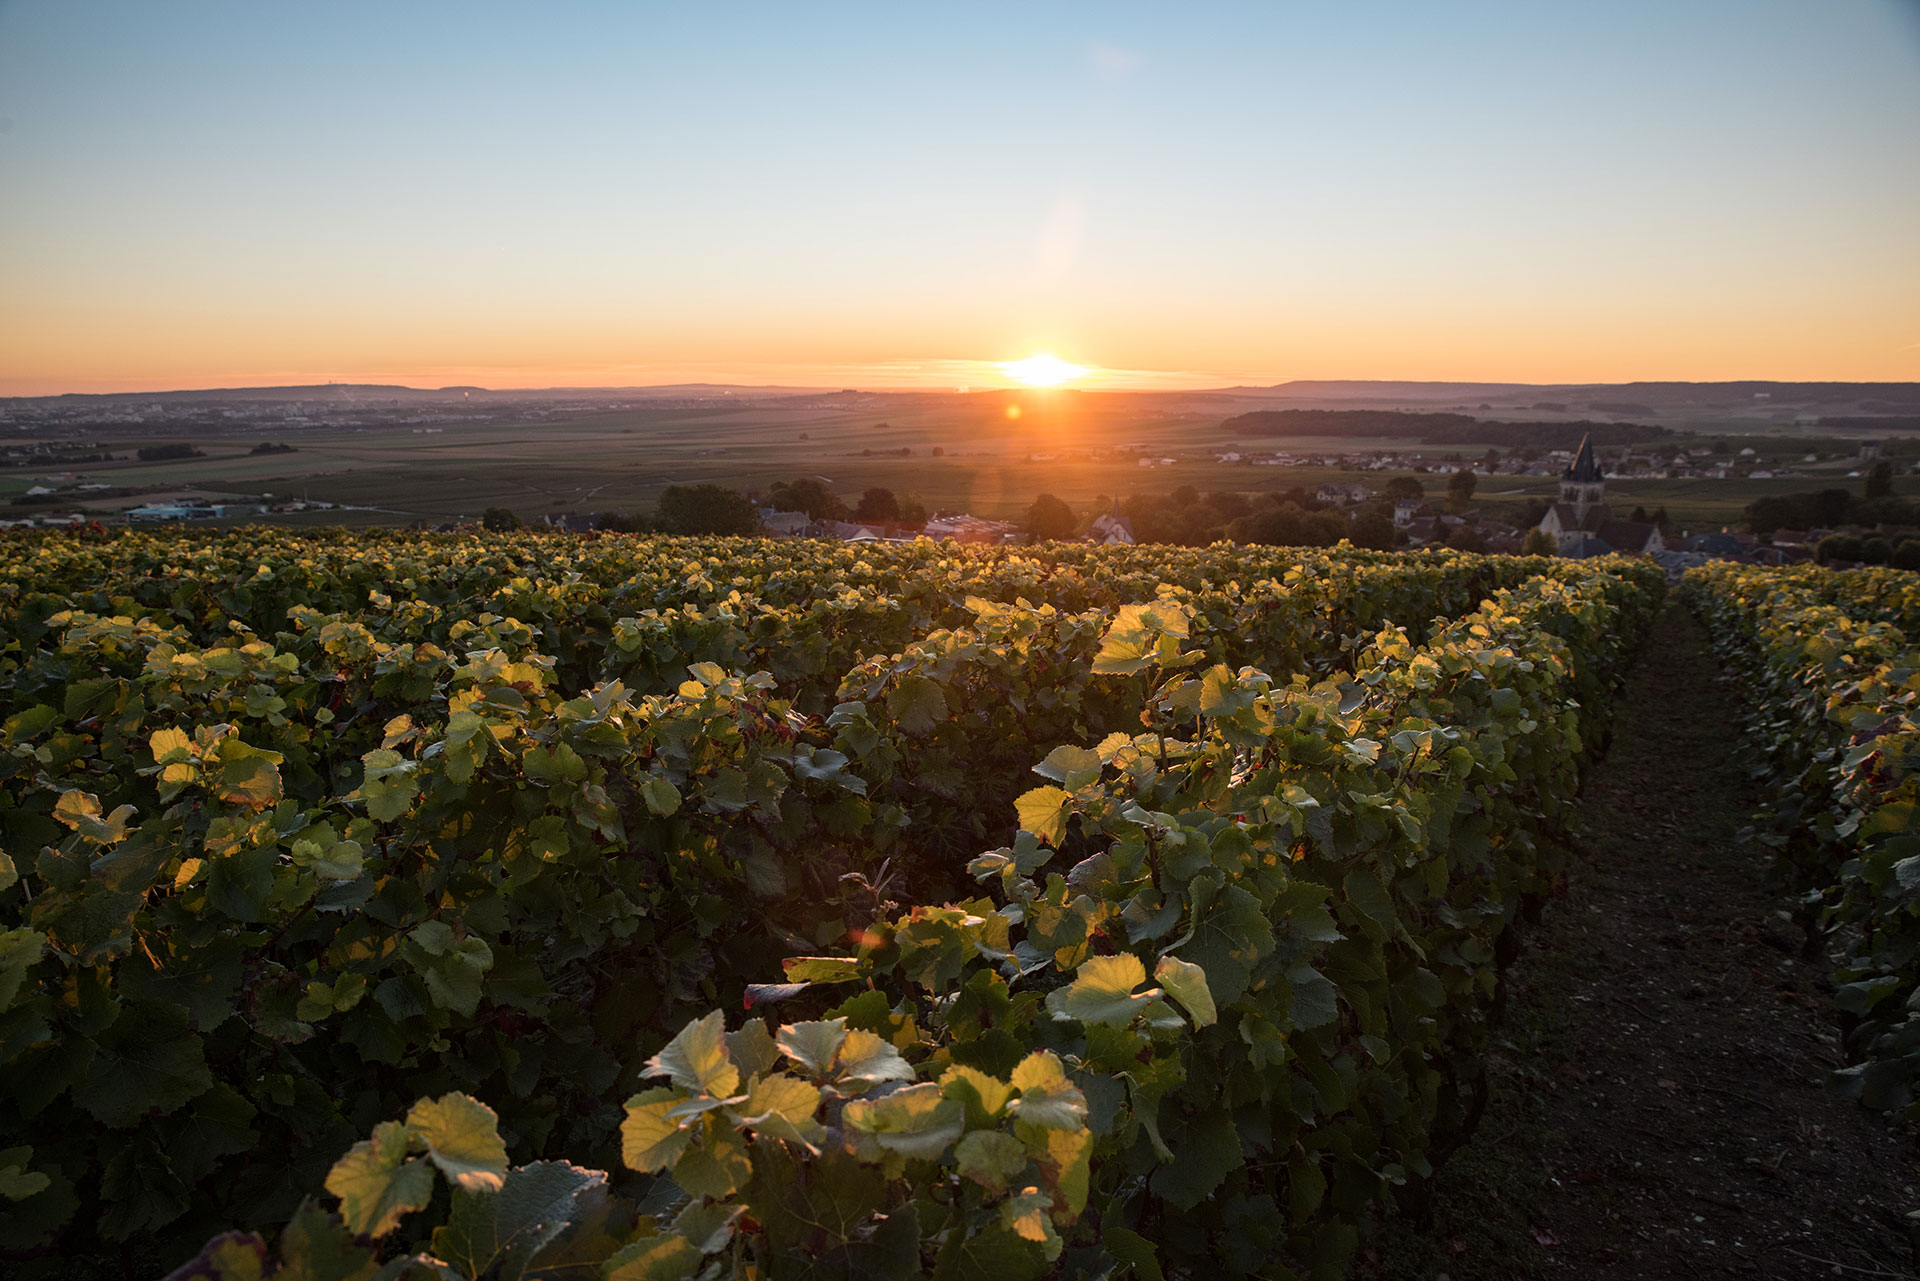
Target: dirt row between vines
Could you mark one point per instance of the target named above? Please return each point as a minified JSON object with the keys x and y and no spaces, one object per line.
{"x":1660,"y":1106}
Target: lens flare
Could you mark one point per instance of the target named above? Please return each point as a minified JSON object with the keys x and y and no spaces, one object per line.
{"x":1041,"y":370}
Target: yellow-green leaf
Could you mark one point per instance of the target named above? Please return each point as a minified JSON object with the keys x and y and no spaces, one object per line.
{"x":650,"y":1139}
{"x":1102,"y":991}
{"x":1187,"y":983}
{"x":462,"y":1136}
{"x":697,"y":1059}
{"x":1046,"y":1096}
{"x":1043,"y":811}
{"x":377,"y":1182}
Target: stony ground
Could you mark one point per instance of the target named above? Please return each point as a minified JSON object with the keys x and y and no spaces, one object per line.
{"x":1660,"y":1105}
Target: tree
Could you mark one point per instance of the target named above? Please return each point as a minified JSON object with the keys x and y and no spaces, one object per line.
{"x":1880,"y":480}
{"x":1467,"y":538}
{"x":1373,"y":529}
{"x":1539,"y":543}
{"x":809,"y":494}
{"x":877,"y":504}
{"x":707,"y":509}
{"x":1460,"y":488}
{"x":1406,"y":487}
{"x":912,"y":510}
{"x":499,"y":519}
{"x":1049,"y":517}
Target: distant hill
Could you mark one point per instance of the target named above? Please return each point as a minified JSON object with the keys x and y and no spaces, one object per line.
{"x":1437,"y":429}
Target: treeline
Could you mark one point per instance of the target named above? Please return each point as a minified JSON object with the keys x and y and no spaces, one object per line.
{"x":1188,"y":518}
{"x":709,"y":509}
{"x":1876,"y":504}
{"x":1438,"y":429}
{"x":1883,"y":521}
{"x":164,"y":453}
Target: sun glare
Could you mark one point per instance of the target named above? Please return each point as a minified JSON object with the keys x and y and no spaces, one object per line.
{"x":1041,"y":371}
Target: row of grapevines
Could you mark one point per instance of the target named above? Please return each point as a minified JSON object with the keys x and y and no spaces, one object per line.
{"x":1834,"y":712}
{"x":638,"y":610}
{"x":1227,"y":987}
{"x":287,"y":880}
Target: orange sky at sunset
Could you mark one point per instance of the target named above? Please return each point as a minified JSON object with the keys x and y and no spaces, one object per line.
{"x":1247,"y":195}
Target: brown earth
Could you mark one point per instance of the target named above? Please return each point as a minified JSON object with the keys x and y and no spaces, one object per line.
{"x":1660,"y":1100}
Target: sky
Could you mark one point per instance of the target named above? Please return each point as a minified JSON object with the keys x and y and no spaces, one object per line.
{"x":204,"y":193}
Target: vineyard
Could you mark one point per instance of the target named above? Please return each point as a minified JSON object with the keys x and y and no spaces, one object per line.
{"x":527,"y":906}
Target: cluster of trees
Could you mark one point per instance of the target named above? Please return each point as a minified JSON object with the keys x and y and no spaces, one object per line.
{"x":1437,"y":429}
{"x":272,"y":447}
{"x":815,"y":497}
{"x":163,"y":453}
{"x":717,"y":509}
{"x":1900,"y":551}
{"x":1876,"y":504}
{"x":1188,"y":518}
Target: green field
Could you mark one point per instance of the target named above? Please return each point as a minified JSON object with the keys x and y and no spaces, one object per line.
{"x":991,"y":465}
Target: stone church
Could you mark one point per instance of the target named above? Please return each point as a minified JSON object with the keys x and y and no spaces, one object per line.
{"x":1581,"y":522}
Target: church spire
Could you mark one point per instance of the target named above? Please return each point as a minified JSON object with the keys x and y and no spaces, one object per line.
{"x":1586,"y":468}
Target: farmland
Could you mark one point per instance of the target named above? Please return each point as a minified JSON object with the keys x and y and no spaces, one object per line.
{"x":1083,"y":449}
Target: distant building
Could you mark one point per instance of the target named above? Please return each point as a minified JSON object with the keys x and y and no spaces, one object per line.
{"x":1582,"y":524}
{"x":1112,"y":529}
{"x":777,"y":524}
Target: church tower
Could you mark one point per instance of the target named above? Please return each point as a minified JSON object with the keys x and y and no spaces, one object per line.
{"x":1581,"y":484}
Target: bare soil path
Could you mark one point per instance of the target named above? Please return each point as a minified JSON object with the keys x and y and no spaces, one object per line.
{"x":1660,"y":1107}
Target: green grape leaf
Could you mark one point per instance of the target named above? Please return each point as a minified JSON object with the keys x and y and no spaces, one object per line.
{"x":1043,"y":811}
{"x":866,"y":1057}
{"x":821,"y":969}
{"x":499,"y":1232}
{"x":462,"y":1136}
{"x":661,"y":796}
{"x":650,"y":1138}
{"x":752,"y":1049}
{"x":914,"y":1121}
{"x":1071,"y":767}
{"x":813,"y":1045}
{"x":1187,"y":983}
{"x":388,"y":786}
{"x":1204,"y":1155}
{"x":1102,"y":992}
{"x":708,"y":1227}
{"x":917,"y":704}
{"x":314,"y":1247}
{"x":231,"y":1256}
{"x":377,"y":1182}
{"x":246,"y":775}
{"x":1136,"y":1252}
{"x":19,"y":952}
{"x":719,"y":1167}
{"x":147,"y":1062}
{"x":1029,"y":1216}
{"x":667,"y":1257}
{"x":991,"y":1158}
{"x":1047,"y":1098}
{"x":696,"y":1060}
{"x":80,"y":811}
{"x":17,"y":1182}
{"x":783,"y":1106}
{"x":986,"y":1096}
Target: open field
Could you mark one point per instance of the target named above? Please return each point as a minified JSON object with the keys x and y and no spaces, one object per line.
{"x":998,"y":453}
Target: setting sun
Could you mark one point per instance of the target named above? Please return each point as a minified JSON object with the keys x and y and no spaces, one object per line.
{"x":1041,"y":371}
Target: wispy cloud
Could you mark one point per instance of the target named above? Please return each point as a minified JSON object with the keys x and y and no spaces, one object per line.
{"x":1112,"y":62}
